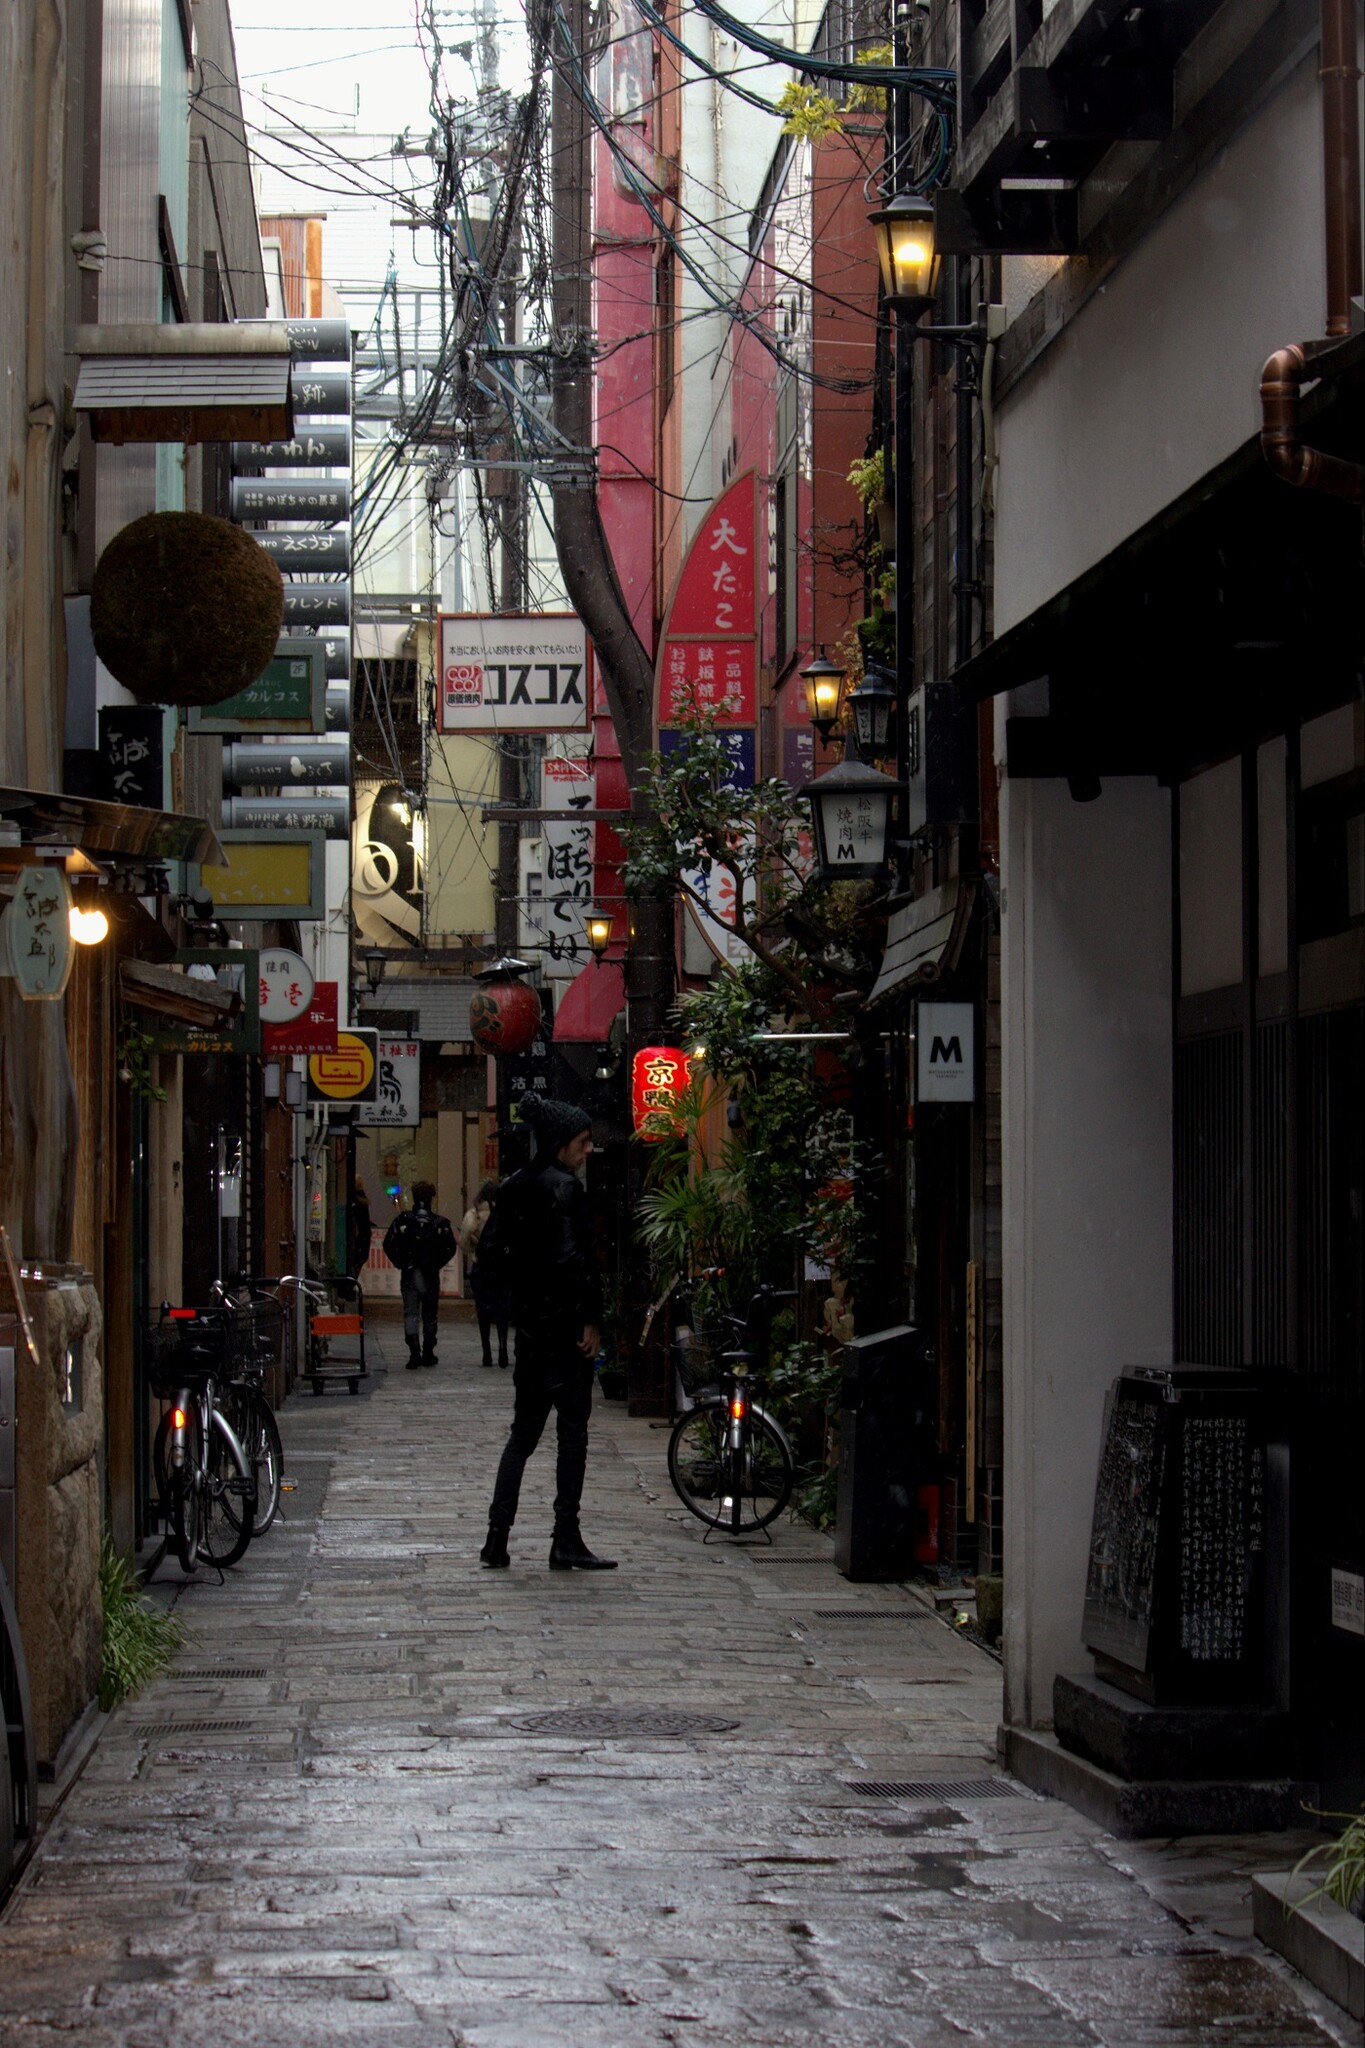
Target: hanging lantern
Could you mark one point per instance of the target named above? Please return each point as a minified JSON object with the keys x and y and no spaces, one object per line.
{"x":505,"y":1015}
{"x":659,"y":1076}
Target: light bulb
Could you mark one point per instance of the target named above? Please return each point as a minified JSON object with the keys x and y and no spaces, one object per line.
{"x":88,"y":927}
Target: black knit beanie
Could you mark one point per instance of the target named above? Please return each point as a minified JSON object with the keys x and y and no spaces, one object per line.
{"x":552,"y":1123}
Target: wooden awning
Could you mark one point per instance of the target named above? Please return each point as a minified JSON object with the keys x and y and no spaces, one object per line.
{"x":171,"y":993}
{"x":198,"y":381}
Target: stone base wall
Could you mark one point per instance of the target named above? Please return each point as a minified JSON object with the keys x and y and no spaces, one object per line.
{"x":58,"y":1444}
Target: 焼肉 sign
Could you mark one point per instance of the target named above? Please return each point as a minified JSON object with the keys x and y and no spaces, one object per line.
{"x":516,"y":672}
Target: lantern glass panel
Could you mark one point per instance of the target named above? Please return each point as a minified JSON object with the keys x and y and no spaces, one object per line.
{"x":851,"y":830}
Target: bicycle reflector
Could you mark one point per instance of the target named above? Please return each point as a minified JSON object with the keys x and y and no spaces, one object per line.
{"x":738,"y":1407}
{"x":182,"y":1315}
{"x":178,"y":1418}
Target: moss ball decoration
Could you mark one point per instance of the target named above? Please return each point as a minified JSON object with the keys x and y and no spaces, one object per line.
{"x":185,"y":609}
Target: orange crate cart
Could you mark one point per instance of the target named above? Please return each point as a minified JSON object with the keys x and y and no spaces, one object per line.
{"x":336,"y":1337}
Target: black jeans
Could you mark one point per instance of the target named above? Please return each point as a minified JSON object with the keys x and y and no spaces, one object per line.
{"x":421,"y":1296}
{"x":551,"y":1372}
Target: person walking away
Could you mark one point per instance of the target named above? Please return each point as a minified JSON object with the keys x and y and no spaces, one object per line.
{"x":539,"y":1234}
{"x":489,"y":1289}
{"x":420,"y":1242}
{"x":361,"y":1226}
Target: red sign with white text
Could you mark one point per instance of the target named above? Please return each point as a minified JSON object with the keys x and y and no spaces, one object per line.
{"x":315,"y":1031}
{"x":717,"y":590}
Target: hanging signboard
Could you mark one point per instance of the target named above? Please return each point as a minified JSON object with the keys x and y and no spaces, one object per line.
{"x":234,"y":968}
{"x":132,"y":746}
{"x":314,"y":1031}
{"x":38,"y":930}
{"x":286,"y":986}
{"x":350,"y":1073}
{"x":708,"y":651}
{"x":275,"y":874}
{"x":513,"y":672}
{"x":398,"y":1087}
{"x":946,"y":1046}
{"x":567,"y":786}
{"x":289,"y":695}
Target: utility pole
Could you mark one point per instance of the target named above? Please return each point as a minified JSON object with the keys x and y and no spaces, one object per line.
{"x":625,"y":664}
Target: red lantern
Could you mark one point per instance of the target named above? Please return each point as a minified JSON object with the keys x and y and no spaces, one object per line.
{"x":659,"y":1075}
{"x":505,"y":1015}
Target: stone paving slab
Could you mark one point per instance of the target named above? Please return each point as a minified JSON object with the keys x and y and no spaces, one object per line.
{"x":360,"y":1844}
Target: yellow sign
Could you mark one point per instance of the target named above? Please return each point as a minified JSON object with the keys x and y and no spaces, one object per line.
{"x":275,"y":876}
{"x":346,"y":1075}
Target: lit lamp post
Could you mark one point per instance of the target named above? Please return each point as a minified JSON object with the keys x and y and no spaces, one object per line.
{"x":904,"y":228}
{"x":598,"y":924}
{"x":851,"y":810}
{"x":824,"y":681}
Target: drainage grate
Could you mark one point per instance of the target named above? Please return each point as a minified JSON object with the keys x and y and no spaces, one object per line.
{"x":933,"y":1788}
{"x":192,"y":1727}
{"x":793,"y":1556}
{"x":227,"y":1671}
{"x":621,"y":1721}
{"x":871,"y":1615}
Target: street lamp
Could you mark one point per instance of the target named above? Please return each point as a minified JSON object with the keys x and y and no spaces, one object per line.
{"x":89,"y":923}
{"x":873,"y":705}
{"x":850,"y":808}
{"x":599,"y":924}
{"x":374,"y":969}
{"x":904,"y":229}
{"x":824,"y":681}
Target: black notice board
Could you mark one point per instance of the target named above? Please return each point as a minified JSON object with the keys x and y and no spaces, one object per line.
{"x":1173,"y":1584}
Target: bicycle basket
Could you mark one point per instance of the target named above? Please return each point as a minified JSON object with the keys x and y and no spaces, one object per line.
{"x":178,"y":1350}
{"x":694,"y":1360}
{"x":254,"y":1336}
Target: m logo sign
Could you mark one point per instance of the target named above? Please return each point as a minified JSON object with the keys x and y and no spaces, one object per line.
{"x":946,"y":1045}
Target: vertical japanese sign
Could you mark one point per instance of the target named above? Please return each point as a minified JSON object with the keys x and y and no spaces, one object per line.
{"x":708,"y":653}
{"x":567,"y":786}
{"x":38,"y":925}
{"x":398,"y":1086}
{"x":132,"y":754}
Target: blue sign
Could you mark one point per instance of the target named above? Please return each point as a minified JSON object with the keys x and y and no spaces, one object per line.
{"x":738,"y":742}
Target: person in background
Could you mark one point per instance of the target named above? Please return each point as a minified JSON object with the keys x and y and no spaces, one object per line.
{"x":489,"y":1289}
{"x":358,"y":1242}
{"x":540,"y":1235}
{"x":420,"y":1242}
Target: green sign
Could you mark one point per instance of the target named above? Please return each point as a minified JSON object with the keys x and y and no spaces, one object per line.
{"x":289,"y":695}
{"x":230,"y":967}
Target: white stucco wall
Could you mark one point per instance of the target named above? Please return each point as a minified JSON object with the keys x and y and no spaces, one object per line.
{"x":1087,"y":1180}
{"x":1156,"y":380}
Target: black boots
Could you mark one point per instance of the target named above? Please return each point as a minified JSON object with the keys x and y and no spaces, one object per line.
{"x":428,"y":1358}
{"x":414,"y":1358}
{"x":494,"y":1552}
{"x":569,"y":1553}
{"x":488,"y":1362}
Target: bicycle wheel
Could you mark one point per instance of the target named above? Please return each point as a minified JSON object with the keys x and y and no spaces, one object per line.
{"x":176,"y":1499}
{"x":253,"y":1421}
{"x":739,"y":1496}
{"x":227,"y":1503}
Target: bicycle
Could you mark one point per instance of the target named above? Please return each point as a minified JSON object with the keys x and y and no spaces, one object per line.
{"x":206,"y":1483}
{"x":254,"y":1325}
{"x":728,"y":1459}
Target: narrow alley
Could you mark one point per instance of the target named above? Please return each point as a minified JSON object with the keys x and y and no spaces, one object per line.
{"x":386,"y":1797}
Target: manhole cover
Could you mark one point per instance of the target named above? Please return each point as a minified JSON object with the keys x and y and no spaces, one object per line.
{"x":933,"y":1788}
{"x":621,"y":1721}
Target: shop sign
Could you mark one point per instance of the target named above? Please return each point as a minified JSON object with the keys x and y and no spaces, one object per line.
{"x":946,"y":1045}
{"x":513,"y":672}
{"x":566,"y":890}
{"x":268,"y":875}
{"x":398,"y":1089}
{"x":660,"y":1075}
{"x":314,"y":1030}
{"x":350,"y":1073}
{"x":232,"y":967}
{"x":289,"y":695}
{"x":286,"y":986}
{"x":132,"y":749}
{"x":38,"y":928}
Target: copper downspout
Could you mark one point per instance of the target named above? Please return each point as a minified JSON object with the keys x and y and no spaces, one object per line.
{"x":1340,"y":75}
{"x":1283,"y":375}
{"x":1280,"y":443}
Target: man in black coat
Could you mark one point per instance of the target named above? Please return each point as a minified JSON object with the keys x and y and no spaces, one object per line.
{"x":420,"y":1242}
{"x":544,"y":1236}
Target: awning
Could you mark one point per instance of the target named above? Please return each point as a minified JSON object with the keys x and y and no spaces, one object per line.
{"x":924,"y":940}
{"x":591,"y":1004}
{"x":169,"y":993}
{"x":1240,"y":587}
{"x":106,"y":831}
{"x":185,"y":383}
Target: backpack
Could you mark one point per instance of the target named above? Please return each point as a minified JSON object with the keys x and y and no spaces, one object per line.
{"x":418,"y":1238}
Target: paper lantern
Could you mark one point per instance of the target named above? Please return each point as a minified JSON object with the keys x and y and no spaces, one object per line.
{"x":505,"y":1015}
{"x":659,"y":1076}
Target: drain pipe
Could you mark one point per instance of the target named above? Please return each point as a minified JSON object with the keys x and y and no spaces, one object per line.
{"x":1283,"y":376}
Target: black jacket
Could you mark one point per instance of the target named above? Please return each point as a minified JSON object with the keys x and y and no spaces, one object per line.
{"x":420,"y":1238}
{"x":543,"y":1214}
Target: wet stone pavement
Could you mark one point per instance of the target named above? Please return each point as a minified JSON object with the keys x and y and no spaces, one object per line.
{"x":351,"y":1814}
